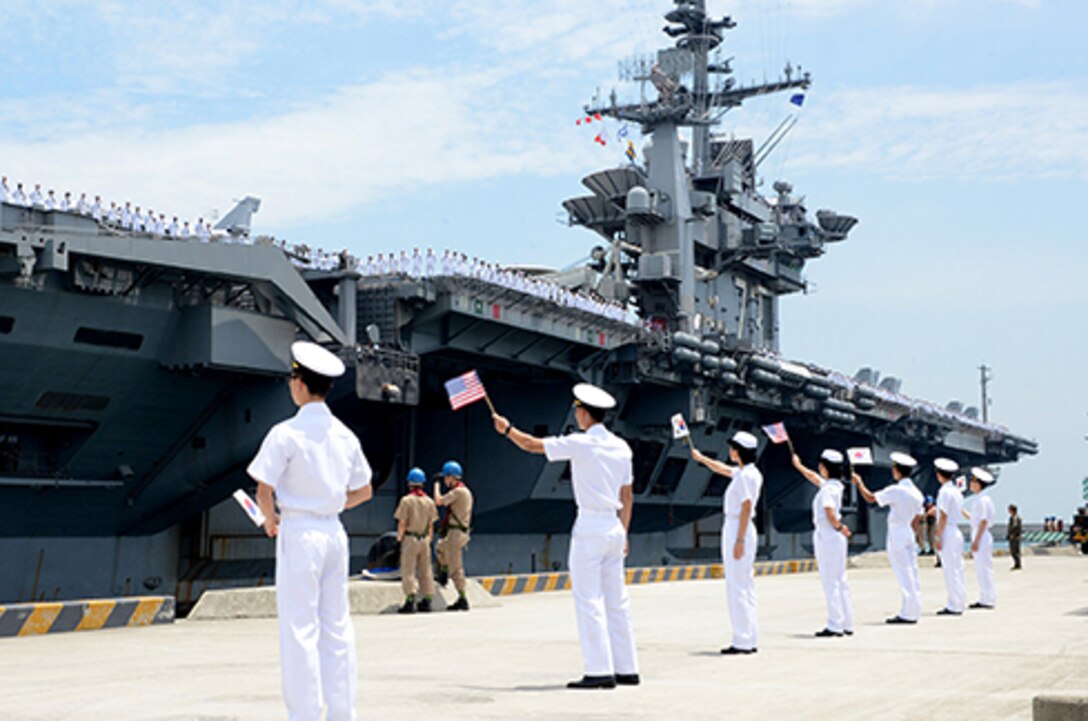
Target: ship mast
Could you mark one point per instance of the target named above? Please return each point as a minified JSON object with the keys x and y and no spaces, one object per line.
{"x":696,"y":36}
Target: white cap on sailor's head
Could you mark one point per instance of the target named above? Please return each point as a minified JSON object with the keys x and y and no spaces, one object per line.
{"x":982,"y":476}
{"x":316,"y":359}
{"x":946,"y":466}
{"x":903,"y":460}
{"x":594,"y":397}
{"x":831,"y":456}
{"x":744,"y":439}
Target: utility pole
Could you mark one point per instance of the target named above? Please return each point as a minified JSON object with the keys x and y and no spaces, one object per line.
{"x":985,"y":377}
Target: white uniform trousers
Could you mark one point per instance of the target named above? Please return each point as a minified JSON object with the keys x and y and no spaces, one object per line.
{"x":831,"y":561}
{"x":598,"y":585}
{"x":903,"y":557}
{"x":317,"y":641}
{"x":740,"y":584}
{"x":984,"y":568}
{"x":952,"y":565}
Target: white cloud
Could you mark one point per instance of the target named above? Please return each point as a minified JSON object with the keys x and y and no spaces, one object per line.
{"x":352,"y":148}
{"x":1020,"y":130}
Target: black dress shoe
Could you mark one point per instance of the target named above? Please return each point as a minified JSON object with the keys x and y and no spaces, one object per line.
{"x":949,"y":612}
{"x":898,"y":619}
{"x":424,"y":606}
{"x":460,"y":605}
{"x":978,"y":604}
{"x":594,"y":682}
{"x":848,"y":633}
{"x":443,"y":577}
{"x":408,"y":607}
{"x":627,"y":679}
{"x":734,"y":651}
{"x":828,"y":633}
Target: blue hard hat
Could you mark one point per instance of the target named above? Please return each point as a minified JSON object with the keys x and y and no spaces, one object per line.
{"x":452,"y":468}
{"x":416,"y":475}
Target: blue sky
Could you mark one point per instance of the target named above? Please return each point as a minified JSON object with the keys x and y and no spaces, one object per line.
{"x":956,"y":130}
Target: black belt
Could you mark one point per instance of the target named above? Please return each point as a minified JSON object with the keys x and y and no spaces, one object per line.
{"x":420,"y":536}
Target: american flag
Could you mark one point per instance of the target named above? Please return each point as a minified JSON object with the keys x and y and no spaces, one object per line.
{"x":776,"y":432}
{"x":465,"y":389}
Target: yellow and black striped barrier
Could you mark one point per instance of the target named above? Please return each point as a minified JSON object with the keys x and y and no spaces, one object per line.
{"x":538,"y":582}
{"x":29,"y":619}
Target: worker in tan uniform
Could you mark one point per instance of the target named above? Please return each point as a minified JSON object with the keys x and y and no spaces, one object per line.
{"x":416,"y":515}
{"x":453,"y":531}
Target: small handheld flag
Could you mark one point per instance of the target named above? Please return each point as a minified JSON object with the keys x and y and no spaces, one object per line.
{"x":252,"y":509}
{"x":679,"y":427}
{"x":465,"y":389}
{"x":798,"y":99}
{"x":777,"y":433}
{"x":860,"y":456}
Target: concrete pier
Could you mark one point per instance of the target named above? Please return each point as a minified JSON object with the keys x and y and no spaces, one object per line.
{"x":512,"y":661}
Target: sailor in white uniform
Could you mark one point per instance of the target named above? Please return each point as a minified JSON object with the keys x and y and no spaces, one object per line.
{"x":36,"y":199}
{"x":50,"y":202}
{"x":905,"y":501}
{"x":312,"y":466}
{"x":66,"y":201}
{"x":601,"y":475}
{"x":982,"y":540}
{"x":739,"y":537}
{"x":5,"y":191}
{"x":829,"y":539}
{"x":19,"y":196}
{"x":949,"y":538}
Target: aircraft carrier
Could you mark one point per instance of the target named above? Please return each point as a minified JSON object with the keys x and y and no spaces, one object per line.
{"x":140,"y":372}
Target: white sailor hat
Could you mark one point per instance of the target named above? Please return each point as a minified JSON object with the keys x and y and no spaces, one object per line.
{"x":594,"y":397}
{"x":902,"y":459}
{"x":982,"y":476}
{"x":316,"y":359}
{"x":831,"y":456}
{"x":946,"y":465}
{"x":744,"y":439}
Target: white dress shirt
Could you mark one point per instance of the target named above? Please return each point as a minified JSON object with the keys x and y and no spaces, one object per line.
{"x":745,"y":486}
{"x":311,"y":460}
{"x":904,"y":499}
{"x":600,"y":465}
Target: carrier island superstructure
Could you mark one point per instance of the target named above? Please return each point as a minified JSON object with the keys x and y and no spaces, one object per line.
{"x":139,"y":373}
